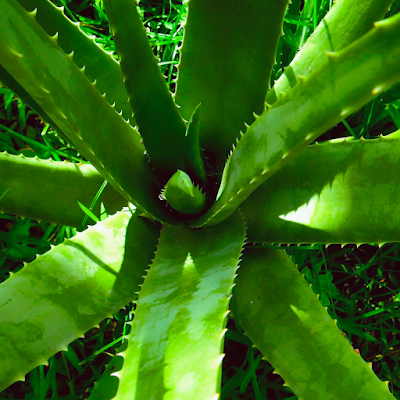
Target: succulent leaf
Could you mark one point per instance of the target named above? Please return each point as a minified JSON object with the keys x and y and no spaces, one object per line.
{"x":99,"y":65}
{"x":322,"y":195}
{"x":174,"y":348}
{"x":346,"y":22}
{"x":194,"y":163}
{"x":70,"y":289}
{"x":157,"y":117}
{"x":346,"y":82}
{"x":182,"y":195}
{"x":61,"y":185}
{"x":181,"y":315}
{"x":298,"y":337}
{"x":60,"y":87}
{"x":226,"y":62}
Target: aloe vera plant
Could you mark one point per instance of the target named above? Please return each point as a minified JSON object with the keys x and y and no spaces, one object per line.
{"x":219,"y":163}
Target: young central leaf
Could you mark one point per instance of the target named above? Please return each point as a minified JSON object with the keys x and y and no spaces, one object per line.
{"x":182,"y":195}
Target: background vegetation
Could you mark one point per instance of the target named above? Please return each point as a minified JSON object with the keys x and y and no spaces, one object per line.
{"x":360,"y":285}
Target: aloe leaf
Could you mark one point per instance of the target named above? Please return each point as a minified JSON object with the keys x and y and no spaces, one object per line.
{"x":297,"y":336}
{"x":346,"y":22}
{"x":181,"y":194}
{"x":99,"y":65}
{"x":347,"y":81}
{"x":157,"y":117}
{"x":68,"y":290}
{"x":193,"y":161}
{"x":342,"y":191}
{"x":226,"y":60}
{"x":96,"y":130}
{"x":181,"y":314}
{"x":48,"y":190}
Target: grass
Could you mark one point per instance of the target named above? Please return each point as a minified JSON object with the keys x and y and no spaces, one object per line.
{"x":360,"y":286}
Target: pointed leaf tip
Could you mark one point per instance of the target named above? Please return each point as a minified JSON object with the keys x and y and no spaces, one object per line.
{"x":182,"y":195}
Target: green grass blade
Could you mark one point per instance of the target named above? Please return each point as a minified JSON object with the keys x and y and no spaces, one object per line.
{"x":175,"y":346}
{"x":68,"y":290}
{"x":226,"y":62}
{"x":88,"y":213}
{"x":157,"y":117}
{"x":56,"y":83}
{"x":48,"y":190}
{"x":99,"y":65}
{"x":346,"y":22}
{"x":348,"y":199}
{"x":349,"y":79}
{"x":297,"y":336}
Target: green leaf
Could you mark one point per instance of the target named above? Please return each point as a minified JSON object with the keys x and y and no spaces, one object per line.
{"x":100,"y":66}
{"x":226,"y":60}
{"x":298,"y":337}
{"x":193,"y":161}
{"x":323,"y":196}
{"x":175,"y":345}
{"x":348,"y":80}
{"x":158,"y":119}
{"x":71,"y":288}
{"x":346,"y":22}
{"x":88,"y":212}
{"x":61,"y":185}
{"x":61,"y":88}
{"x":182,"y":195}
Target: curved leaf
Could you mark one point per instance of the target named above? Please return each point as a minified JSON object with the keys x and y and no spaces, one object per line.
{"x":342,"y":191}
{"x":157,"y":117}
{"x":347,"y":81}
{"x":55,"y":82}
{"x":346,"y":22}
{"x":100,"y":66}
{"x":298,"y":337}
{"x":68,"y":290}
{"x":226,"y":60}
{"x":175,"y":345}
{"x":48,"y":190}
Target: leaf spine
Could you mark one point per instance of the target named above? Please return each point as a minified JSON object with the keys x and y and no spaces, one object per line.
{"x":253,"y":180}
{"x":54,"y":38}
{"x":32,"y":13}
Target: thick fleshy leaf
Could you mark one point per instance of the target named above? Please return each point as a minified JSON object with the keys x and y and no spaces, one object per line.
{"x":181,"y":194}
{"x":348,"y":80}
{"x":226,"y":60}
{"x":48,"y":190}
{"x":61,"y":88}
{"x":342,"y":191}
{"x":193,"y":159}
{"x":297,"y":336}
{"x":65,"y":292}
{"x":157,"y":117}
{"x":175,"y":345}
{"x":346,"y":22}
{"x":99,"y":65}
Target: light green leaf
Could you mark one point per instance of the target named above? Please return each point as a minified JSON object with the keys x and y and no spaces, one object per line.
{"x":297,"y":336}
{"x":181,"y":315}
{"x":71,"y":288}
